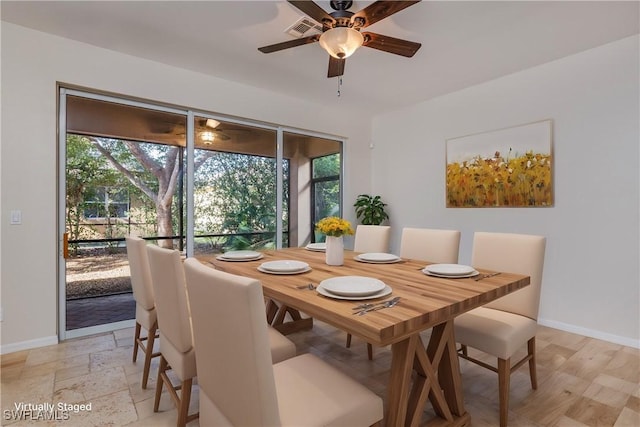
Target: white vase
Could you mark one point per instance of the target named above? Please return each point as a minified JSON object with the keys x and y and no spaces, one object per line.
{"x":334,"y":252}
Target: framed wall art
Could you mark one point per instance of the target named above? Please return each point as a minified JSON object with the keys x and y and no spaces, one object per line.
{"x":510,"y":167}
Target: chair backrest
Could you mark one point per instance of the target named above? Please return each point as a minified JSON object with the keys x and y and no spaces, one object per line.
{"x":512,"y":253}
{"x":372,"y":238}
{"x":233,"y":354}
{"x":140,"y":273}
{"x":431,"y":245}
{"x":167,"y":278}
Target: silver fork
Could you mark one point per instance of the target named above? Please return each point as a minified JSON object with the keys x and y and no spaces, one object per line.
{"x":387,"y":304}
{"x":369,"y":305}
{"x":310,"y":286}
{"x":484,"y":276}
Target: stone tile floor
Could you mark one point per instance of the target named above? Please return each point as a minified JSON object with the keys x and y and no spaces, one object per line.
{"x":582,"y":381}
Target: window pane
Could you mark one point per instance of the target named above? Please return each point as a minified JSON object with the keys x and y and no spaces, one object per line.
{"x":327,"y":199}
{"x":311,"y":159}
{"x":326,"y":189}
{"x":113,"y":187}
{"x":234,"y":188}
{"x":106,"y":202}
{"x":326,"y":166}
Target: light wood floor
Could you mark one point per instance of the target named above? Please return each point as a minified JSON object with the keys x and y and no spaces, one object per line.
{"x":582,"y":381}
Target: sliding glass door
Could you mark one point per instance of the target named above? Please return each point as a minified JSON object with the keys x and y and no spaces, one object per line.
{"x":191,"y":181}
{"x":123,"y":174}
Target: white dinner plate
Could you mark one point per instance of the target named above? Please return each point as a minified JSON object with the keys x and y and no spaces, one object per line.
{"x":316,"y":247}
{"x":263,"y":270}
{"x":460,"y":276}
{"x":240,"y":256}
{"x":284,"y":266}
{"x":383,"y":293}
{"x":353,"y":286}
{"x":378,"y":257}
{"x":449,"y":269}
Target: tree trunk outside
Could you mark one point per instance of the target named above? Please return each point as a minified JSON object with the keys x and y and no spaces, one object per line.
{"x":165,"y":227}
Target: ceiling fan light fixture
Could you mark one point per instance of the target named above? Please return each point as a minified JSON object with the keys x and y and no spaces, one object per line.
{"x":341,"y":42}
{"x":208,"y":137}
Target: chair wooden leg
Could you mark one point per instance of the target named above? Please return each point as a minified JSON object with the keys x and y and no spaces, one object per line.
{"x":369,"y":347}
{"x":531,"y":348}
{"x":180,"y":401}
{"x":161,"y":370}
{"x":185,"y":398}
{"x":504,"y":377}
{"x":136,"y":338}
{"x":151,"y":338}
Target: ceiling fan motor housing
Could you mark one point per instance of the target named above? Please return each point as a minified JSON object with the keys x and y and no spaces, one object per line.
{"x":340,"y":5}
{"x":341,"y":15}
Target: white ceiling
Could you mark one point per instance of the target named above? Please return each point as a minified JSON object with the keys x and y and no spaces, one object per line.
{"x":463,"y":43}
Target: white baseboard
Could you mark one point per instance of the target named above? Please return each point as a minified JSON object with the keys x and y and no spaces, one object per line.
{"x":99,"y":329}
{"x":616,"y":339}
{"x":28,"y":345}
{"x":75,"y":333}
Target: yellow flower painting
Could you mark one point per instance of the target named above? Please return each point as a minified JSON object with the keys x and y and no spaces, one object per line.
{"x":510,"y":167}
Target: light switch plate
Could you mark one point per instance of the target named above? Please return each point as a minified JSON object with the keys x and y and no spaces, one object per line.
{"x":16,"y":217}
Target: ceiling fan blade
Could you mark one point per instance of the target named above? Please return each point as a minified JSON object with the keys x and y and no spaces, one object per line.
{"x":379,"y":10}
{"x":336,"y":67}
{"x":314,"y":11}
{"x":390,"y":44}
{"x":291,"y":43}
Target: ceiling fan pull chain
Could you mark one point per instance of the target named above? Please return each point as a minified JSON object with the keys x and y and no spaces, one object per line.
{"x":339,"y":85}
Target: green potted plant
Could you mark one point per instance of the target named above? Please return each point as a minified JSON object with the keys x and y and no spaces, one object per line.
{"x":370,"y":209}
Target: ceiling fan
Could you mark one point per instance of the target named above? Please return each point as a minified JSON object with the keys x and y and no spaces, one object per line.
{"x":341,"y":34}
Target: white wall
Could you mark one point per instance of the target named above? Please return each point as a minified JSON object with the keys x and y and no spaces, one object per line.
{"x":591,"y":277}
{"x":32,"y":63}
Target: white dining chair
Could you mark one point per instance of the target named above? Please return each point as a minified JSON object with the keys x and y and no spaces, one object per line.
{"x":431,"y":245}
{"x":425,"y":244}
{"x":230,"y":332}
{"x":372,"y":238}
{"x":146,"y":316}
{"x":174,"y":321}
{"x":176,"y":336}
{"x":505,"y":325}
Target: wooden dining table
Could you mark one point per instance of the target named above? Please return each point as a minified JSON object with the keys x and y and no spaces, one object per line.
{"x":419,"y":373}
